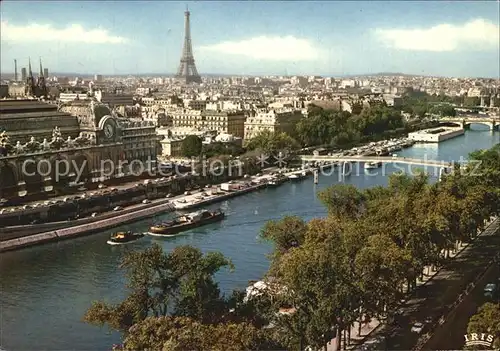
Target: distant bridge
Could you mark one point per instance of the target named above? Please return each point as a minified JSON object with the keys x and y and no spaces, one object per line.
{"x":465,"y":122}
{"x":383,"y":159}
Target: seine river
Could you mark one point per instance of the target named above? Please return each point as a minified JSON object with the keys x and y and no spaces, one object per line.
{"x":45,"y":290}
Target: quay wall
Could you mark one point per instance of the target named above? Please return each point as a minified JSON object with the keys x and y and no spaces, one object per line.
{"x":19,"y":222}
{"x":191,"y":205}
{"x":451,"y":134}
{"x":114,"y":220}
{"x":427,"y":135}
{"x":13,"y":232}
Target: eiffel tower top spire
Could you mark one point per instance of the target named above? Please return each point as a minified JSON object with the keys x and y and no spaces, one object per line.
{"x":187,"y":72}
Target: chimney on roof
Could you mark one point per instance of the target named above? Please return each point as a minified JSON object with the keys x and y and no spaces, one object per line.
{"x":15,"y":70}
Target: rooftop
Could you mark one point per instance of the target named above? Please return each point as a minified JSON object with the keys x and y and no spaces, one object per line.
{"x":10,"y":106}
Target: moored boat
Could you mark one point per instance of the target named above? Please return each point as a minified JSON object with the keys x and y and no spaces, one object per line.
{"x":276,"y":181}
{"x":297,"y":176}
{"x":121,"y":238}
{"x":186,"y":222}
{"x":372,"y":165}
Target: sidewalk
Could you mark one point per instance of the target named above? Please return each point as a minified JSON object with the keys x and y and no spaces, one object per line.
{"x":368,"y":328}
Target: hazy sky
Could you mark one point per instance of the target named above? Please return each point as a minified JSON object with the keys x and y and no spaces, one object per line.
{"x":325,"y":38}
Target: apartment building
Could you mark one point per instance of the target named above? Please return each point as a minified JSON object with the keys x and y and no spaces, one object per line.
{"x":171,"y":147}
{"x":67,"y":97}
{"x":229,"y":122}
{"x":114,"y":99}
{"x":272,"y":120}
{"x":223,"y":105}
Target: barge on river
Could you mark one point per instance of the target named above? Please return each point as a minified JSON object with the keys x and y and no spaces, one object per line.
{"x":186,"y":222}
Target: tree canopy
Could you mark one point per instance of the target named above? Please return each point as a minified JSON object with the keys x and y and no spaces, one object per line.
{"x":182,"y":333}
{"x":191,"y":146}
{"x":341,"y":128}
{"x":179,"y":283}
{"x":272,"y":142}
{"x":487,"y":320}
{"x":419,"y":103}
{"x":354,"y":264}
{"x":361,"y":260}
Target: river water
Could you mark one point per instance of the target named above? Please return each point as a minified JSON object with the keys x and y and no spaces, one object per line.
{"x":45,"y":290}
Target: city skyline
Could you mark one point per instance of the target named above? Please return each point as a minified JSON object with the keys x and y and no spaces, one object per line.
{"x":255,"y":38}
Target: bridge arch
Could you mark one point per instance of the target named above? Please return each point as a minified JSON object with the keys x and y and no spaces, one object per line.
{"x":491,"y":125}
{"x":8,"y":180}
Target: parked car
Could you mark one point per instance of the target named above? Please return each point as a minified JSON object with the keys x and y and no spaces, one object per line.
{"x":490,"y":290}
{"x":146,"y":201}
{"x":417,"y":327}
{"x":118,"y":208}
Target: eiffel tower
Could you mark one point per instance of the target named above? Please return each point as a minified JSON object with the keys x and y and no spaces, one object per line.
{"x":187,"y":72}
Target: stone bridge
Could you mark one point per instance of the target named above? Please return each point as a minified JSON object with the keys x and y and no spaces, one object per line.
{"x":466,"y":121}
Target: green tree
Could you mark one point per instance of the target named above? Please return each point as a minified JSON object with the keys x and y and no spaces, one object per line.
{"x":342,"y":129}
{"x":191,"y":146}
{"x":486,"y":320}
{"x":471,"y":101}
{"x":179,"y":283}
{"x":484,"y":168}
{"x":271,"y":142}
{"x":342,"y":200}
{"x":319,"y":286}
{"x":286,"y":233}
{"x":182,"y":333}
{"x":444,"y":110}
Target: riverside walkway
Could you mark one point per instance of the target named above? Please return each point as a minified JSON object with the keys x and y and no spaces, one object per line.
{"x":383,"y":159}
{"x":433,"y":298}
{"x":436,"y":299}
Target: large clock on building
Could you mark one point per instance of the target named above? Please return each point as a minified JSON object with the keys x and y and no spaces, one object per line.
{"x":108,"y":126}
{"x":109,"y":129}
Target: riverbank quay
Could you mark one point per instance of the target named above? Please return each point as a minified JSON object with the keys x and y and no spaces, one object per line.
{"x":240,"y":187}
{"x":385,"y":136}
{"x":436,"y":135}
{"x":112,"y":220}
{"x":374,"y":336}
{"x":38,"y":217}
{"x":127,"y":215}
{"x":194,"y":201}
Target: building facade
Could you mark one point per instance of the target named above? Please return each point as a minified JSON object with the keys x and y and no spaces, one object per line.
{"x":272,"y":120}
{"x":113,"y":100}
{"x":220,"y":121}
{"x":87,"y":139}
